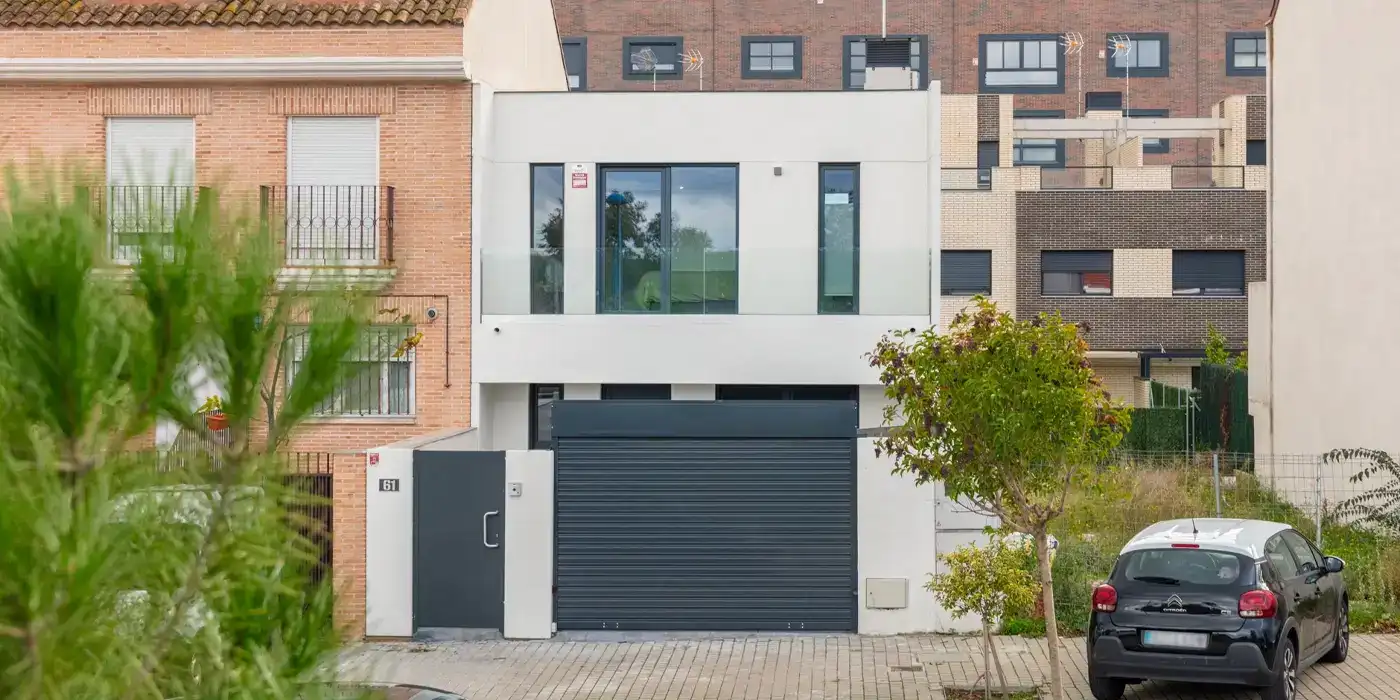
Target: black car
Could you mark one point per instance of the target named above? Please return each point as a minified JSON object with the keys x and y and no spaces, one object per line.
{"x":1239,"y":602}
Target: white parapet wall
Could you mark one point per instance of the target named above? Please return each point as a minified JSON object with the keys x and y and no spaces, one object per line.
{"x":529,"y":555}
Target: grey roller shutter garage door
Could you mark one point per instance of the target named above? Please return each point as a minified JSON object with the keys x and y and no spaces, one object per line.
{"x":754,"y":534}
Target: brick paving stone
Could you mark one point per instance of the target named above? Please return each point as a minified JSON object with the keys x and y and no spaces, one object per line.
{"x":795,"y":667}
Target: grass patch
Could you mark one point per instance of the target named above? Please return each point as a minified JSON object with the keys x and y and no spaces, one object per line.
{"x":970,"y":694}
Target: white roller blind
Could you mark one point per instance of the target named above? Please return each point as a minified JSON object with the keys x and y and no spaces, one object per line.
{"x":332,"y":151}
{"x":332,"y":199}
{"x":150,"y":151}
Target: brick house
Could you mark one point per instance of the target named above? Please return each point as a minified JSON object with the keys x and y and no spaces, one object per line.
{"x":317,"y":112}
{"x":1186,"y":58}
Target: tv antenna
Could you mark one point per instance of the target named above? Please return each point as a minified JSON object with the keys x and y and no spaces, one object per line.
{"x":1122,"y":48}
{"x":1073,"y":43}
{"x":694,"y":62}
{"x":645,"y":60}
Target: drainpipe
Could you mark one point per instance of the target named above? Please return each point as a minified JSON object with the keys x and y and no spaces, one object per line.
{"x":884,"y":26}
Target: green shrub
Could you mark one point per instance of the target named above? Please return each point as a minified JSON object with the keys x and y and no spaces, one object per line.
{"x":1158,"y":430}
{"x":1079,"y":566}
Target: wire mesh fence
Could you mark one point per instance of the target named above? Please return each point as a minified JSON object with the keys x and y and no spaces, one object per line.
{"x":1348,"y":504}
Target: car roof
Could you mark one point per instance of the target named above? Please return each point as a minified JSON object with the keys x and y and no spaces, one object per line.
{"x":1245,"y":537}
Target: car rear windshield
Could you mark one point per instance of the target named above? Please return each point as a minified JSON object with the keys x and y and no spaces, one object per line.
{"x":1194,"y":567}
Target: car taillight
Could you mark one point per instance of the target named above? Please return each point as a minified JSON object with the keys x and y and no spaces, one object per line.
{"x":1258,"y":604}
{"x":1105,"y":598}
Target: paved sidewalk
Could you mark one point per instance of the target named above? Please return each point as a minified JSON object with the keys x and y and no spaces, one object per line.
{"x":796,"y":667}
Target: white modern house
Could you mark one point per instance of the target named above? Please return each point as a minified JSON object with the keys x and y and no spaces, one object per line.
{"x":754,"y":241}
{"x":673,"y":295}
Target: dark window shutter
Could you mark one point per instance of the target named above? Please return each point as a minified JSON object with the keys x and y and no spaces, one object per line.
{"x":1256,"y":152}
{"x":1076,"y":261}
{"x":1112,"y":101}
{"x":1208,"y":269}
{"x":966,"y":272}
{"x":887,"y":53}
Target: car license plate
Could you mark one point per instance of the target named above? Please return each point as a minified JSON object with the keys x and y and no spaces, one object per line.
{"x":1178,"y":640}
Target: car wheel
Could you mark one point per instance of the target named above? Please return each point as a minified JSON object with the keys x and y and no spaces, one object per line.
{"x":1339,"y":650}
{"x":1106,"y":688}
{"x":1285,"y":685}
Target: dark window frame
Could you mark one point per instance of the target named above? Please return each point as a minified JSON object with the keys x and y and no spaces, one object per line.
{"x":943,"y":286}
{"x":747,"y":73}
{"x":849,"y":39}
{"x":1089,"y":106}
{"x":1057,"y":89}
{"x":1256,"y":155}
{"x":822,"y":169}
{"x":1060,"y":158}
{"x":1109,"y":271}
{"x":600,"y":236}
{"x":1230,"y":68}
{"x":535,"y":167}
{"x":1162,"y":71}
{"x":647,"y":392}
{"x":1180,"y":256}
{"x":627,"y":50}
{"x":1164,"y":145}
{"x":582,"y":43}
{"x":534,"y":398}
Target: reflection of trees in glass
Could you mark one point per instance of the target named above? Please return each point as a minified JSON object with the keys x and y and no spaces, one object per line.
{"x":549,"y":236}
{"x":547,"y":265}
{"x":633,"y":257}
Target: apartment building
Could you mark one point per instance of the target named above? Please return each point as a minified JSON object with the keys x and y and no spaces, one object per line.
{"x":1320,"y":327}
{"x":1146,"y":255}
{"x":1173,"y":59}
{"x":347,"y":126}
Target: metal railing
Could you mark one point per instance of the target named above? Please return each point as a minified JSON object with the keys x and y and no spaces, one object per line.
{"x":966,"y":179}
{"x":1077,"y":177}
{"x":332,"y":225}
{"x":141,"y":215}
{"x":1207,"y":177}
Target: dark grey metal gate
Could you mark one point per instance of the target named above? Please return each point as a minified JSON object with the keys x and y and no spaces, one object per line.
{"x":459,"y":539}
{"x":705,"y":516}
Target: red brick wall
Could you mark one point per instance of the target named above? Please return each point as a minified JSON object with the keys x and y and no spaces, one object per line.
{"x":1197,"y":43}
{"x":240,"y":136}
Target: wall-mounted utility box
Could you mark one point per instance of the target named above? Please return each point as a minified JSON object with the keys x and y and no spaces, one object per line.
{"x":886,"y":593}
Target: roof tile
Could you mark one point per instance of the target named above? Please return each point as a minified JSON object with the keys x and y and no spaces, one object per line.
{"x":228,"y":13}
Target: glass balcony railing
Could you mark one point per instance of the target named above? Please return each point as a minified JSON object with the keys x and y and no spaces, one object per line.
{"x":662,"y":281}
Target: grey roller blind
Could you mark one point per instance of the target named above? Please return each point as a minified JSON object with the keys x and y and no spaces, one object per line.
{"x":966,"y":272}
{"x":1076,"y":261}
{"x":1214,"y":270}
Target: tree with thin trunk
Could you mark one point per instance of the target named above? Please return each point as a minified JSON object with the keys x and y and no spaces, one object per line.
{"x":986,"y":581}
{"x":123,"y":575}
{"x":1007,"y":414}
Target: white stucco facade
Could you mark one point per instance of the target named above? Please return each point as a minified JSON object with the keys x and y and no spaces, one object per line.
{"x":776,"y":142}
{"x":1321,"y":346}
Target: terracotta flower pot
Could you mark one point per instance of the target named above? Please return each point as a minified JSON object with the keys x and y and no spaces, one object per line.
{"x":216,"y":421}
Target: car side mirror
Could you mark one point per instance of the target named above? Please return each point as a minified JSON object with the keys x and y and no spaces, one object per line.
{"x":1333,"y":565}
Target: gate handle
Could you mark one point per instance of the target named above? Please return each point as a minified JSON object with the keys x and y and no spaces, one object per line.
{"x":484,"y":516}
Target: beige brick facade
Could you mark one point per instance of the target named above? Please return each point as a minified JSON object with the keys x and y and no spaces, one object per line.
{"x":1120,"y":379}
{"x":959,"y":131}
{"x":983,"y":221}
{"x":241,"y":144}
{"x":1142,"y":272}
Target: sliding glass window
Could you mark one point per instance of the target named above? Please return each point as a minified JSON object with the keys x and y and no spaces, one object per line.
{"x":838,"y":258}
{"x":547,"y":239}
{"x":668,"y":240}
